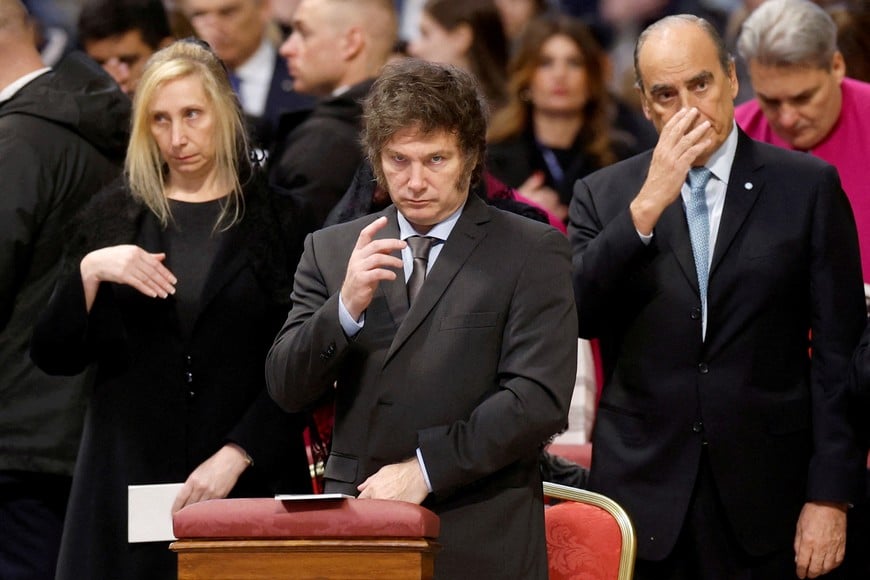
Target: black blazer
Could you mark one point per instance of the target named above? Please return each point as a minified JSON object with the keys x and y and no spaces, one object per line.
{"x":774,"y":419}
{"x":478,"y":373}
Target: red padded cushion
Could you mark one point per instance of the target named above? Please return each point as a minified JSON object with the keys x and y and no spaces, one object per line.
{"x":270,"y":518}
{"x":583,"y":542}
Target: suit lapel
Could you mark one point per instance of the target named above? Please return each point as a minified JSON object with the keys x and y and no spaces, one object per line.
{"x":675,"y":231}
{"x":740,"y":197}
{"x":465,"y":237}
{"x":743,"y":191}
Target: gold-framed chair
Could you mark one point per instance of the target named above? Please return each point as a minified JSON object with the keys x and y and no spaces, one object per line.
{"x":589,"y":536}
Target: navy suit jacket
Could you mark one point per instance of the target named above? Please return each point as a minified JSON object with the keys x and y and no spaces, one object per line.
{"x":773,"y":418}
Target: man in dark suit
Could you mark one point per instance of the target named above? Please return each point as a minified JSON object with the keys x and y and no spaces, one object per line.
{"x":121,"y":35}
{"x":243,"y":35}
{"x":725,"y":440}
{"x":445,"y":402}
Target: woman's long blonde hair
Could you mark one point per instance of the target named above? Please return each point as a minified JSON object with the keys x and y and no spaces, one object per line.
{"x":144,"y":166}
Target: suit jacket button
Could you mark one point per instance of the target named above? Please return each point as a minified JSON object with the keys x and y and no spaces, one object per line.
{"x":188,"y":377}
{"x":696,"y":313}
{"x":703,"y":368}
{"x":698,"y":426}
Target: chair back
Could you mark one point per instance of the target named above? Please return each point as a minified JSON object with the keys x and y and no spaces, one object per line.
{"x":589,"y":536}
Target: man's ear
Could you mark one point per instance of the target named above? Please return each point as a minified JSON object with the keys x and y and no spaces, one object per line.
{"x":644,"y":104}
{"x":838,"y":66}
{"x":353,"y":42}
{"x":732,"y":79}
{"x":265,"y":11}
{"x":463,"y":36}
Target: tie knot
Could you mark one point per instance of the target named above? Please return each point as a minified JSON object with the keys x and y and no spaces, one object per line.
{"x":420,"y":246}
{"x":698,"y":177}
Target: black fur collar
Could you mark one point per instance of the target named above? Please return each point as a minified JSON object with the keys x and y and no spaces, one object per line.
{"x":272,"y":228}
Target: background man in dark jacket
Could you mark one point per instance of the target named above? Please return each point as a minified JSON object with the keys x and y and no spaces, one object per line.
{"x":62,"y":135}
{"x":121,"y":35}
{"x":335,"y":51}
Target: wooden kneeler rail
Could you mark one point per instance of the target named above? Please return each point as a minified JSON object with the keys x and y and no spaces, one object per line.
{"x":252,"y":539}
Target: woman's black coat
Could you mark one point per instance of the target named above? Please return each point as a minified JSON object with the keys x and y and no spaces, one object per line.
{"x":162,"y":403}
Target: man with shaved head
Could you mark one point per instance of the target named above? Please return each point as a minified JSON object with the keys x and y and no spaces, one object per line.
{"x":336,"y":50}
{"x":704,"y":266}
{"x":63,"y":133}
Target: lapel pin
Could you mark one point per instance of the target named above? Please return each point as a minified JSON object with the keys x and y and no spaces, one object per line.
{"x":747,"y":186}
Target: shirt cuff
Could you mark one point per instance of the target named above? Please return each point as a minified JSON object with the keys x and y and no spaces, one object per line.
{"x":423,"y":469}
{"x":350,"y":326}
{"x":645,"y":238}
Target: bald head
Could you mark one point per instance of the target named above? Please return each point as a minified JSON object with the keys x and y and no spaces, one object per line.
{"x":377,"y":19}
{"x":670,"y":25}
{"x":338,"y":43}
{"x":13,"y":18}
{"x":18,"y":54}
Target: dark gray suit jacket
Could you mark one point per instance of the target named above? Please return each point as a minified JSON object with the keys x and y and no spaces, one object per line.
{"x":478,"y":374}
{"x":774,"y":419}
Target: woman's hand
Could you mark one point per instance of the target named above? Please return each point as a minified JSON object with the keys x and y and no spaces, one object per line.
{"x":126,"y":264}
{"x":534,"y":189}
{"x":214,"y":478}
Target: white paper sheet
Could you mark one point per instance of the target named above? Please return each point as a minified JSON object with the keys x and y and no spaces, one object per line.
{"x":307,"y":496}
{"x":149,"y":512}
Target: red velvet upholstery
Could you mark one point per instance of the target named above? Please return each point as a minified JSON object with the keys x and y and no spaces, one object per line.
{"x":583,"y":542}
{"x":579,"y":454}
{"x":270,"y":518}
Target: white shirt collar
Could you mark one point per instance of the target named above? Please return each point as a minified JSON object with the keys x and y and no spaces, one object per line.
{"x":262,"y":59}
{"x":15,"y":86}
{"x":722,"y":159}
{"x":440,"y":231}
{"x":255,"y":75}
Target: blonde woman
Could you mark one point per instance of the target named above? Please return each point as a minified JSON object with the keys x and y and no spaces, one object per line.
{"x":177,"y":279}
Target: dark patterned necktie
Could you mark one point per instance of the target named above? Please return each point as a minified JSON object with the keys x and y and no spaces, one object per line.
{"x":420,"y":246}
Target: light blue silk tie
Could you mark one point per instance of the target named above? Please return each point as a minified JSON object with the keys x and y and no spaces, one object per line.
{"x":699,"y":225}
